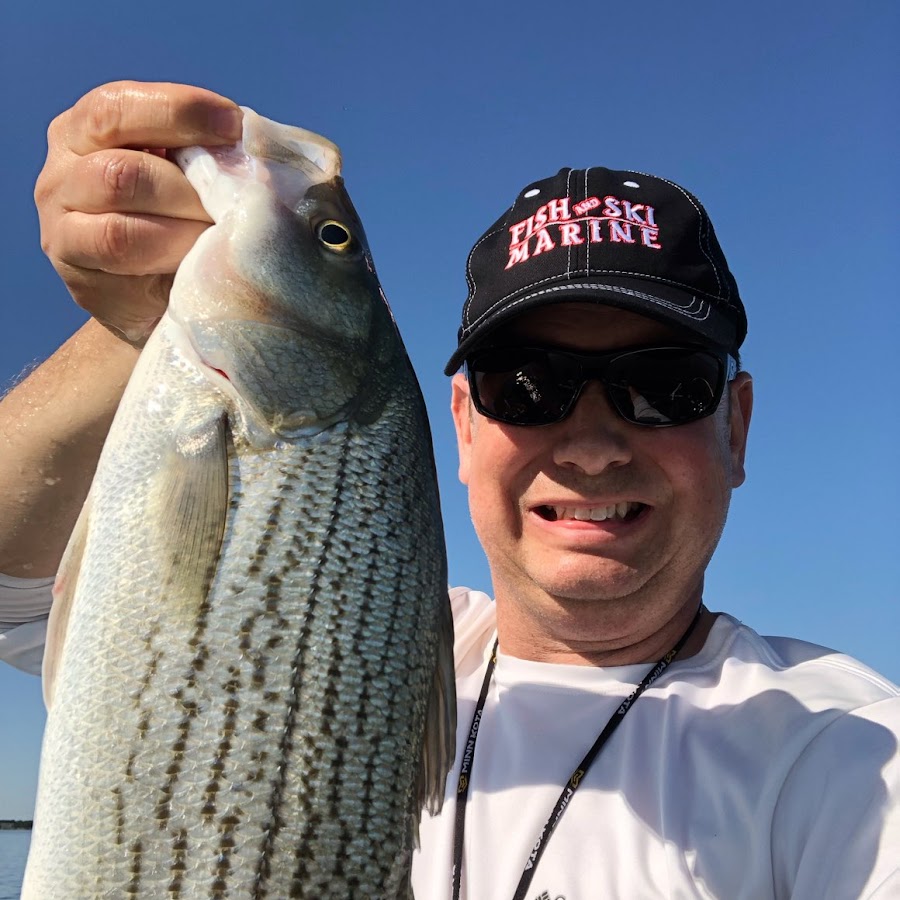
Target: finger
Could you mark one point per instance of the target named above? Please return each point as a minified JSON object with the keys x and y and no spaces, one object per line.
{"x":126,"y":304}
{"x":132,"y":182}
{"x":146,"y":114}
{"x":122,"y":243}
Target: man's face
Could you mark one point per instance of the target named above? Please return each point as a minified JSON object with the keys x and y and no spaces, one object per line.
{"x":527,"y":484}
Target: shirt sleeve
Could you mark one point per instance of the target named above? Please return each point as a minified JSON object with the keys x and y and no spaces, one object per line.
{"x":24,"y":608}
{"x":474,"y":621}
{"x":836,"y":829}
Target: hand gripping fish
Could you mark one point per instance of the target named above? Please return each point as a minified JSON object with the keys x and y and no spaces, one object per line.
{"x":249,"y":670}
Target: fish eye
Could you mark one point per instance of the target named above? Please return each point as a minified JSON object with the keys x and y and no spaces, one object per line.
{"x":334,"y":235}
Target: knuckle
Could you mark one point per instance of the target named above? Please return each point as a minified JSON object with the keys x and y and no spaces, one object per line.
{"x":104,"y":109}
{"x":46,"y":243}
{"x":120,"y":175}
{"x":43,"y":189}
{"x":107,"y":112}
{"x":47,"y":182}
{"x":56,"y":130}
{"x":48,"y":223}
{"x":115,"y":238}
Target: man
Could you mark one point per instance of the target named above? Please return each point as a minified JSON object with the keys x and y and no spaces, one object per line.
{"x":622,"y":740}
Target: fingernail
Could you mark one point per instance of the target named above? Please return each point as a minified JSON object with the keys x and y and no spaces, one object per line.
{"x":227,"y":123}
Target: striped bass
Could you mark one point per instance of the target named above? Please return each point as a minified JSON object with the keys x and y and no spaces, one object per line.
{"x":249,"y":669}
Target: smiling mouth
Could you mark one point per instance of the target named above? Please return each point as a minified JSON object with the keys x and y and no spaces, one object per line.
{"x":621,"y":512}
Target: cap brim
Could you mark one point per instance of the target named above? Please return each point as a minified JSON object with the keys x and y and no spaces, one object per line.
{"x":696,"y":315}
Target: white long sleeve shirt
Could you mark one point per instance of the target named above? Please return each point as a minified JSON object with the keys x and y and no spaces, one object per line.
{"x":759,"y":768}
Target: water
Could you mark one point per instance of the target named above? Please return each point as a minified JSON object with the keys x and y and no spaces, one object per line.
{"x":13,"y":853}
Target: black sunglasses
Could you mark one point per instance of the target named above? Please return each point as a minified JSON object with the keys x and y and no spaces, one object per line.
{"x":654,"y":386}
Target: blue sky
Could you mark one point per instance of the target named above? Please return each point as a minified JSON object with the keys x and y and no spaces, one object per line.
{"x":780,"y":116}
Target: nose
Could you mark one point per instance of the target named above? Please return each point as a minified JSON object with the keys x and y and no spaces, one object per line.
{"x":593,"y":437}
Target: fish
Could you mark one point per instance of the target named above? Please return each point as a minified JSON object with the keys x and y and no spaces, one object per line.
{"x":249,"y":664}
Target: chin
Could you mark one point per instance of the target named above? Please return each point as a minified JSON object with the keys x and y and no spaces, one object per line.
{"x":614,"y":583}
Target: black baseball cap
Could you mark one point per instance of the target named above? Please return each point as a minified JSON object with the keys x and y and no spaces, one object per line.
{"x":620,"y":238}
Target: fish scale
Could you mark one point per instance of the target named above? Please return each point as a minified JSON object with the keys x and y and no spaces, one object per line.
{"x":249,"y":671}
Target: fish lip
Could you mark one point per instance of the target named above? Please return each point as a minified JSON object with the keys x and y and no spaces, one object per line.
{"x":186,"y":342}
{"x":218,"y":374}
{"x":183,"y":339}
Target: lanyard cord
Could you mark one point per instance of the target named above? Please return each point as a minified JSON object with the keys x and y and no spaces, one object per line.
{"x":465,"y":774}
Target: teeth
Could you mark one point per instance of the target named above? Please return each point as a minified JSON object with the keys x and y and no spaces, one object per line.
{"x":595,"y":513}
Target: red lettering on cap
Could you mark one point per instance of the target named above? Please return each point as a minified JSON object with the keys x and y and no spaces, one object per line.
{"x":543,"y":242}
{"x":649,"y":236}
{"x":517,"y":254}
{"x":568,"y":234}
{"x":620,"y":232}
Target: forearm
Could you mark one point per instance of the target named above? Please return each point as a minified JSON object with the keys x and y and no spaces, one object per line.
{"x":115,"y":223}
{"x":52,"y":428}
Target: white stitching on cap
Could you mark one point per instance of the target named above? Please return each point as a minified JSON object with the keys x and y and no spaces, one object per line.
{"x":587,"y":264}
{"x":706,"y":251}
{"x":703,"y":217}
{"x":703,"y":307}
{"x":505,"y":297}
{"x":470,"y":278}
{"x":569,"y":248}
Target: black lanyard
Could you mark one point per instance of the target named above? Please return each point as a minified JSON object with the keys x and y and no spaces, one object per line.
{"x":465,"y":773}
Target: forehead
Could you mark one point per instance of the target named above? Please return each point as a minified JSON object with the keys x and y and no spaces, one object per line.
{"x":586,"y":326}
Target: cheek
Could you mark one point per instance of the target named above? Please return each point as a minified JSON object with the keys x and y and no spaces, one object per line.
{"x":697,"y":462}
{"x":499,"y":470}
{"x":489,"y":508}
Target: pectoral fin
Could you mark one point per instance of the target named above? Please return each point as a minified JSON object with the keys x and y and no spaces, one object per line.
{"x":63,"y":597}
{"x":192,"y":493}
{"x":439,"y":747}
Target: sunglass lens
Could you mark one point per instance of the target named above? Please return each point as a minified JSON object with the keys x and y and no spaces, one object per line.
{"x":664,"y":386}
{"x":522,"y":388}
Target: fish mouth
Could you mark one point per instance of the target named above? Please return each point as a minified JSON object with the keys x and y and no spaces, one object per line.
{"x":186,"y":342}
{"x":220,"y":372}
{"x":623,"y":511}
{"x":203,"y":362}
{"x":266,"y":426}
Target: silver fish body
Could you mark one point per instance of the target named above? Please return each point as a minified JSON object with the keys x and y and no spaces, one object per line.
{"x":249,"y":668}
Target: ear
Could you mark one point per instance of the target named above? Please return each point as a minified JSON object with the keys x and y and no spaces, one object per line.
{"x":739,"y":425}
{"x":460,"y":406}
